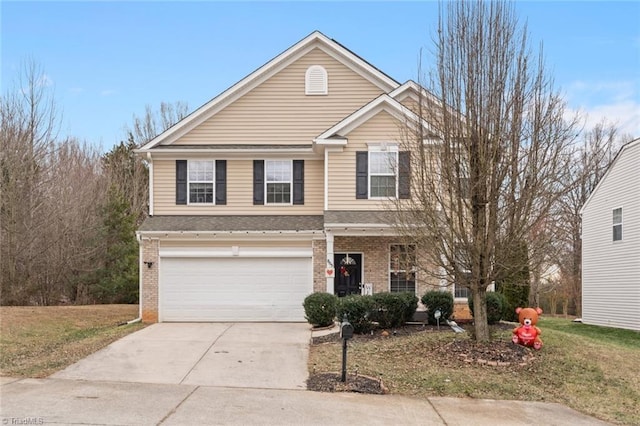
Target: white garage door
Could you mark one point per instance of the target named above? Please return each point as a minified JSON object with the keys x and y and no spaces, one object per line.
{"x":234,"y":289}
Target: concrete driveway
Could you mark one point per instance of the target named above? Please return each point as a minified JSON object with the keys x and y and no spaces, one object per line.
{"x":243,"y":355}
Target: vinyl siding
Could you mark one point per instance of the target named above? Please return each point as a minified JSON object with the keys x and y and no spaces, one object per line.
{"x":611,"y":270}
{"x":279,"y":112}
{"x":239,"y":191}
{"x":342,"y":166}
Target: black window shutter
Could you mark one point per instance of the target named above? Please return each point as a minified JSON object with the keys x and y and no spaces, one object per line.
{"x":404,"y":174}
{"x":298,"y":181}
{"x":258,"y":182}
{"x":181,"y":181}
{"x":221,"y":182}
{"x":362,"y":172}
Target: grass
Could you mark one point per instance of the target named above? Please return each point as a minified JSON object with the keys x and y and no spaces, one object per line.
{"x":594,"y":370}
{"x":36,"y":341}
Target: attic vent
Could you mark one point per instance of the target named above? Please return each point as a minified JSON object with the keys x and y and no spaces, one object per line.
{"x":316,"y":81}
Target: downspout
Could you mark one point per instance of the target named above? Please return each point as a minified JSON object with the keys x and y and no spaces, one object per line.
{"x":135,"y":320}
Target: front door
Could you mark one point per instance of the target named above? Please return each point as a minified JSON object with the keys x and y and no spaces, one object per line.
{"x":348,"y":279}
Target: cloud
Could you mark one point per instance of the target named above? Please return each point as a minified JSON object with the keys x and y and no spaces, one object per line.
{"x":615,"y":102}
{"x":44,"y":81}
{"x":76,"y":90}
{"x":107,"y":92}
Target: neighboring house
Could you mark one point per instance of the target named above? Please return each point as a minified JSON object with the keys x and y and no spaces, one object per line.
{"x":276,"y":188}
{"x":611,"y":245}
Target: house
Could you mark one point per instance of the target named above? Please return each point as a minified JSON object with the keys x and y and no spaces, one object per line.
{"x":275,"y":189}
{"x":611,"y":245}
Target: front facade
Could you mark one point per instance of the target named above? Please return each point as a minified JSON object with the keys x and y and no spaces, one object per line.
{"x":611,"y":245}
{"x":277,"y":188}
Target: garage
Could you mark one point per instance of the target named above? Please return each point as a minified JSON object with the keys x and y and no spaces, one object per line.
{"x":265,"y":288}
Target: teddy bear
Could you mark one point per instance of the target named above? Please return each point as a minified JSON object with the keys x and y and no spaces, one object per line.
{"x":527,"y":334}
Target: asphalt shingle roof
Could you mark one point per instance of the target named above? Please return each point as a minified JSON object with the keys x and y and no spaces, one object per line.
{"x":231,"y":223}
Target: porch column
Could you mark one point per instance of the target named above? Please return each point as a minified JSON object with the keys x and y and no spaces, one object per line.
{"x":330,"y":265}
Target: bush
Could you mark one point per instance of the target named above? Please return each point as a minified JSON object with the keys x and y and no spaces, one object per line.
{"x":434,"y":300}
{"x":495,"y":306}
{"x":358,"y":310}
{"x":411,"y":304}
{"x":320,"y":309}
{"x":389,"y":309}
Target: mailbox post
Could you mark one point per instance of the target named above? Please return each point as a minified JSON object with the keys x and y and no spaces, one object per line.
{"x":346,"y":333}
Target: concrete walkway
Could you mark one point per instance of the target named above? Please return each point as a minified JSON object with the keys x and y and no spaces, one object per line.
{"x":228,"y":374}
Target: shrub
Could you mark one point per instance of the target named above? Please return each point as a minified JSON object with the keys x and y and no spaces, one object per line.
{"x":495,"y":306}
{"x":320,"y":309}
{"x":434,"y":300}
{"x":358,"y":310}
{"x":411,"y":304}
{"x":389,"y":309}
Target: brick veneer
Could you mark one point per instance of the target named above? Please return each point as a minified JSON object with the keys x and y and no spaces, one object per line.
{"x":375,"y":252}
{"x":149,"y":296}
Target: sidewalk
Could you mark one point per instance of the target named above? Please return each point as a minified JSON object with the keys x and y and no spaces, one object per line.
{"x":60,"y":401}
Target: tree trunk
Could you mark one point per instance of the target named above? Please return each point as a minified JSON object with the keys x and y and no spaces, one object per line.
{"x":480,"y":315}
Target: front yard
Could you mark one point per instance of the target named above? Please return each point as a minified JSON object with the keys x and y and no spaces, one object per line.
{"x":36,"y":341}
{"x":594,"y":370}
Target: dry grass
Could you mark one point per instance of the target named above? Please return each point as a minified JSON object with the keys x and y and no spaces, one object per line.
{"x":36,"y":341}
{"x":596,"y":376}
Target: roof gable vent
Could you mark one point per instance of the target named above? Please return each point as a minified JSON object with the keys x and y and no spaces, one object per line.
{"x":316,"y":81}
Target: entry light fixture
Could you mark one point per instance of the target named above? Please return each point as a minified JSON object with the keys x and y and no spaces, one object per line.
{"x":149,"y":264}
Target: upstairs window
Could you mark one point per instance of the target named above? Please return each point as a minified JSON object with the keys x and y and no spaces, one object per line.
{"x":201,"y":182}
{"x":382,"y":174}
{"x":617,"y":224}
{"x":278,"y":181}
{"x":316,"y":81}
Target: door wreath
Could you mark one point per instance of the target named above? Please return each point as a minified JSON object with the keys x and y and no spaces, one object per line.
{"x":348,"y":266}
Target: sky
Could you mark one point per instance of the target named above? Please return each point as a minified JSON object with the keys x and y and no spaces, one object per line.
{"x":105,"y":61}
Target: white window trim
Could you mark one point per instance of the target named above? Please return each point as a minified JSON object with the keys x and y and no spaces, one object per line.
{"x":324,"y":90}
{"x":267,"y":182}
{"x":390,"y":147}
{"x":621,"y":224}
{"x":390,"y":271}
{"x":212,"y":181}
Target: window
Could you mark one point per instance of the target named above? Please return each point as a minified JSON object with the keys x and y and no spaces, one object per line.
{"x":316,"y":81}
{"x":617,"y":224}
{"x":460,"y":292}
{"x":278,"y":181}
{"x":382,"y":174}
{"x":402,"y":275}
{"x":201,"y":182}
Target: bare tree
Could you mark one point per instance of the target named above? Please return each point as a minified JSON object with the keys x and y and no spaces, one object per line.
{"x":492,"y":161}
{"x":595,"y":152}
{"x":153,"y":122}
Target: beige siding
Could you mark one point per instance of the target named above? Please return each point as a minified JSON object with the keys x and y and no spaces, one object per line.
{"x":239,"y":192}
{"x":278,"y":111}
{"x":342,"y":166}
{"x":611,"y":269}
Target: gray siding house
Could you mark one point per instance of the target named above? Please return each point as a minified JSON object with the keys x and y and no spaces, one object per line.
{"x":611,"y":245}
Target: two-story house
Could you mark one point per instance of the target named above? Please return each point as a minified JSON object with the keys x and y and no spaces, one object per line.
{"x":276,"y":188}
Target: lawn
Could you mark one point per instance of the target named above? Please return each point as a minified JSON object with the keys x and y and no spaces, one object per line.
{"x":594,"y":370}
{"x":36,"y":341}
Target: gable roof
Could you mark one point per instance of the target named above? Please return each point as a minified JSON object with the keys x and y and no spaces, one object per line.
{"x":625,"y":147}
{"x":336,"y":134}
{"x":312,"y":41}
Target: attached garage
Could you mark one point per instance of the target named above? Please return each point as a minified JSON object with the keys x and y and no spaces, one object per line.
{"x":258,"y":286}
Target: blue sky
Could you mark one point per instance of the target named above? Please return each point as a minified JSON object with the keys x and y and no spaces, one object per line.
{"x":107,"y":60}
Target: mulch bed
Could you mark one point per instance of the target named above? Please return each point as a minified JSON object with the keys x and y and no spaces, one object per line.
{"x":331,"y":382}
{"x":496,"y":354}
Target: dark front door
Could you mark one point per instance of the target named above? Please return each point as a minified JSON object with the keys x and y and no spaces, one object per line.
{"x":348,"y":279}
